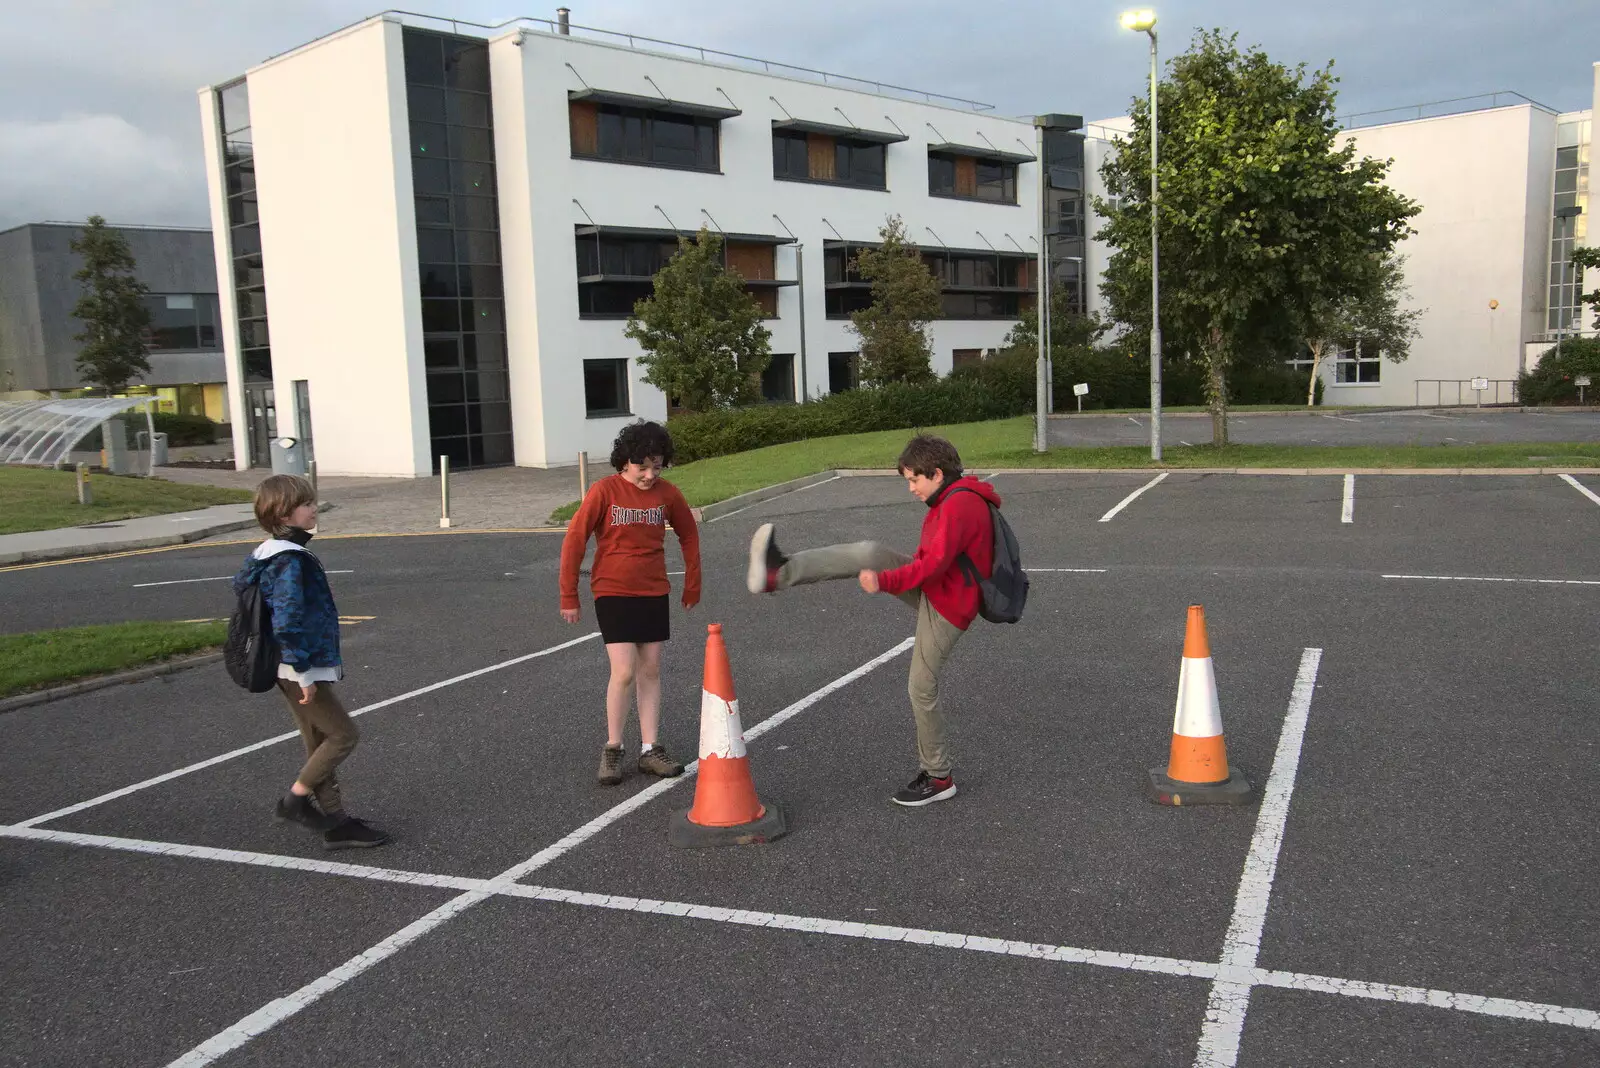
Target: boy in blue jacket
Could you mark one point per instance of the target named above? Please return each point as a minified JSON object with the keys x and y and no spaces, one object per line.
{"x":305,"y":623}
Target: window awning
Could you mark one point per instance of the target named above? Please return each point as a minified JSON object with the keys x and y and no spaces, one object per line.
{"x":985,"y":152}
{"x":673,"y":235}
{"x":940,"y":250}
{"x":654,"y":103}
{"x":853,"y":133}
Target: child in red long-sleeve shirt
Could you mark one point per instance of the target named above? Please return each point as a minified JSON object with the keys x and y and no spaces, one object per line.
{"x":626,"y":514}
{"x":957,"y":539}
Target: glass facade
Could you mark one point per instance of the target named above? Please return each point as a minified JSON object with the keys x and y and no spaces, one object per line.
{"x":1571,"y":191}
{"x":244,"y":231}
{"x":458,"y":247}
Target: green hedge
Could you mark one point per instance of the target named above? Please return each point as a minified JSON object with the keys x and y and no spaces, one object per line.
{"x":995,"y":389}
{"x":1553,"y":381}
{"x":179,"y":429}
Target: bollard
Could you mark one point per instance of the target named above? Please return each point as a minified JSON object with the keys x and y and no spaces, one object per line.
{"x":311,"y":473}
{"x":85,"y":491}
{"x":444,"y":492}
{"x":583,"y":475}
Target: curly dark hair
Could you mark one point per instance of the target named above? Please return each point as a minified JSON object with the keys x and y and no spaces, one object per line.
{"x":925,"y":454}
{"x":639,"y":442}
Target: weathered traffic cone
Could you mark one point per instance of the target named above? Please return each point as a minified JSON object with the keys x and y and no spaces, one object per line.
{"x":1197,"y":772}
{"x":726,"y":809}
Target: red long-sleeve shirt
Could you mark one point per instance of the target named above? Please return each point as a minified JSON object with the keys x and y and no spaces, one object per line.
{"x":956,"y":523}
{"x":629,"y":528}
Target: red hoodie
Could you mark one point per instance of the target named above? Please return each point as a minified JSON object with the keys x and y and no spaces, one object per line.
{"x":956,"y":523}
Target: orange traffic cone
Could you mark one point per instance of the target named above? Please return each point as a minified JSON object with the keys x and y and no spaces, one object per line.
{"x":726,"y":809}
{"x":1197,"y":772}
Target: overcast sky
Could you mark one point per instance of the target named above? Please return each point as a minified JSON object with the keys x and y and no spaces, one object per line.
{"x":98,"y":109}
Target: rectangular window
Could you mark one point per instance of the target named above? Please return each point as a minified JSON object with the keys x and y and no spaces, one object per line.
{"x":842,"y":371}
{"x":790,"y":158}
{"x":182,"y":322}
{"x":1357,"y":363}
{"x":812,"y":157}
{"x":605,"y":388}
{"x":777,"y":381}
{"x":655,"y":138}
{"x":965,"y":357}
{"x":972,"y":179}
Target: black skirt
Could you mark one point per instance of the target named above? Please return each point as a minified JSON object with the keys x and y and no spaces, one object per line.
{"x":636,"y":620}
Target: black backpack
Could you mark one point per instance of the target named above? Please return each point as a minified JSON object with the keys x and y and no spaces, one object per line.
{"x":250,"y":652}
{"x":1003,"y":594}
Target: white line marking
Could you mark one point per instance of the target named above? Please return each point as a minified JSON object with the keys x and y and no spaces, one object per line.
{"x":1475,"y":578}
{"x":1430,"y":415}
{"x":1341,"y":418}
{"x":243,"y":750}
{"x":1066,"y":570}
{"x":280,"y":1009}
{"x":1130,"y":498}
{"x":1349,"y":513}
{"x":1298,"y":981}
{"x":775,"y":496}
{"x":1181,"y":442}
{"x":1580,"y":487}
{"x":1230,"y":998}
{"x":215,"y":578}
{"x":1134,"y":421}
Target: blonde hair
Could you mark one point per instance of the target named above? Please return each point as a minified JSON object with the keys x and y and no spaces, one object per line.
{"x":277,"y":497}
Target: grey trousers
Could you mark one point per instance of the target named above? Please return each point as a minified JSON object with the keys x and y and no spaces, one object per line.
{"x":936,"y":636}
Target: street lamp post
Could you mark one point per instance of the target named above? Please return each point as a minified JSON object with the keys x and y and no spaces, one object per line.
{"x":1145,"y":21}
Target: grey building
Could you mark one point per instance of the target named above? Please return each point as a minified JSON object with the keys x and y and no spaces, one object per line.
{"x":37,"y":293}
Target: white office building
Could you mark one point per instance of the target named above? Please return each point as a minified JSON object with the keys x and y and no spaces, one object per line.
{"x":431,"y":234}
{"x":1504,"y":187}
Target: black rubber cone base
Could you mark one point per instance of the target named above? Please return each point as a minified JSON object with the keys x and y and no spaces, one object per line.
{"x":1234,"y":790}
{"x":771,"y":826}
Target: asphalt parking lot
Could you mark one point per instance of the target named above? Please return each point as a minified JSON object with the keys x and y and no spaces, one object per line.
{"x":1405,"y":666}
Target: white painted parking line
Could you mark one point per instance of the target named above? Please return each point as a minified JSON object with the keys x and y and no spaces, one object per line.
{"x":1534,"y":1011}
{"x":775,"y":496}
{"x":276,"y":1011}
{"x":265,"y":742}
{"x":1065,"y":570}
{"x":1349,"y":513}
{"x":1130,"y":498}
{"x":214,"y":578}
{"x":1341,"y":418}
{"x":1230,"y":998}
{"x":1479,"y":578}
{"x":1580,"y":487}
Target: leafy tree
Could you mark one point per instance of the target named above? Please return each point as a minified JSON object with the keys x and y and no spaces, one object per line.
{"x":1262,"y":204}
{"x":1069,"y":330}
{"x":905,"y":298}
{"x":701,"y":330}
{"x":1369,"y":310}
{"x":111,"y":308}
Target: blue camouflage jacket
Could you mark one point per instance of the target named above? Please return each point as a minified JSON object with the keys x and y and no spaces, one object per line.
{"x":305,"y":621}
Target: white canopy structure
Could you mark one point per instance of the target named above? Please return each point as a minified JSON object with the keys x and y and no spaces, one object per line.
{"x":44,"y":432}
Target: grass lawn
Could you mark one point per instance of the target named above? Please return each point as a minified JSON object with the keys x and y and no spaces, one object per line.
{"x":1009,"y":443}
{"x":34,"y":498}
{"x":49,"y":657}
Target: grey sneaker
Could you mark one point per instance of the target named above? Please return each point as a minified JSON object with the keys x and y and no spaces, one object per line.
{"x":761,"y":575}
{"x":656,"y":762}
{"x":610,"y":765}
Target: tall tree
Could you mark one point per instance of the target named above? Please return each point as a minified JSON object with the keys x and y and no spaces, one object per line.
{"x":905,"y":298}
{"x":1586,"y":257}
{"x":701,"y":330}
{"x":1369,"y":311}
{"x":111,"y":308}
{"x":1261,"y":203}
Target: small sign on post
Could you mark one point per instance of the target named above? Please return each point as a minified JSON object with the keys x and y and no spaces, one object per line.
{"x":1081,"y":390}
{"x":1582,"y":382}
{"x":1478,"y":386}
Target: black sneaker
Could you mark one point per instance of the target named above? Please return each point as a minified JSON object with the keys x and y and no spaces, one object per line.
{"x":292,"y":808}
{"x":925,"y":790}
{"x":353,"y":834}
{"x":765,"y":560}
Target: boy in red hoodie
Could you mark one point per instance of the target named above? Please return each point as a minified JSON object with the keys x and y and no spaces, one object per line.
{"x":933,"y":582}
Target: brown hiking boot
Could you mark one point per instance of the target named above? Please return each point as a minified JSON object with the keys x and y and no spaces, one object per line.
{"x":611,"y":765}
{"x":656,"y":762}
